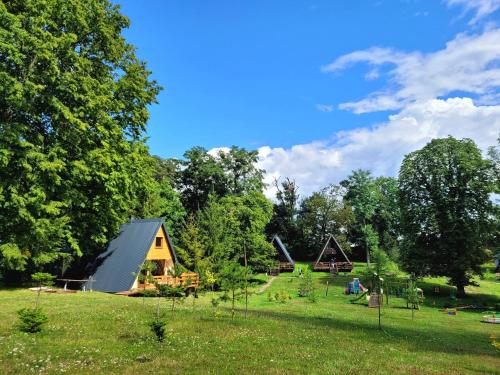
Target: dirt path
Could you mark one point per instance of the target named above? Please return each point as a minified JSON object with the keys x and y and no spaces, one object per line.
{"x":264,"y":287}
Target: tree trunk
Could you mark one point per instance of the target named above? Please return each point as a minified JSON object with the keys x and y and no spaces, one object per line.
{"x":38,"y":295}
{"x":232,"y":310}
{"x":246,"y":280}
{"x":461,"y":290}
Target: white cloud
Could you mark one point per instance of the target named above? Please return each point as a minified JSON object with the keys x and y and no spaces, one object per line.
{"x":481,"y":8}
{"x":468,"y":63}
{"x":215,"y":152}
{"x":381,"y":148}
{"x":324,"y":107}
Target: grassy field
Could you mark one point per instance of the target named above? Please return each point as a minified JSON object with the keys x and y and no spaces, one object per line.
{"x":99,"y":333}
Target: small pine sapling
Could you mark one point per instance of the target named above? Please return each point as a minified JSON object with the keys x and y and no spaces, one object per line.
{"x":232,"y":278}
{"x":158,"y":327}
{"x":42,"y":279}
{"x":31,"y":320}
{"x":414,"y":297}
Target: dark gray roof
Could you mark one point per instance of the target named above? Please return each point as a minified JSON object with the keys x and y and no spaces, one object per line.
{"x":281,"y":247}
{"x":113,"y":269}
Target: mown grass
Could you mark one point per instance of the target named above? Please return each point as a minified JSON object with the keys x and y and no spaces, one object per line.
{"x":99,"y":333}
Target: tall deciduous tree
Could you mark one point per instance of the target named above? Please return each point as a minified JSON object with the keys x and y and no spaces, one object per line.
{"x":387,"y":218}
{"x":73,"y":110}
{"x":242,"y":175}
{"x":375,"y":202}
{"x":322,"y":214}
{"x":362,"y":195}
{"x":234,"y":224}
{"x":225,"y":172}
{"x":446,"y":210}
{"x":284,"y":220}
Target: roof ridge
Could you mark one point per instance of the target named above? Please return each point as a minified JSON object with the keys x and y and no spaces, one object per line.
{"x":151,"y":220}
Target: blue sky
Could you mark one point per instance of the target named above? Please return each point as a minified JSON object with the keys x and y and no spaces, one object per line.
{"x":256,"y":73}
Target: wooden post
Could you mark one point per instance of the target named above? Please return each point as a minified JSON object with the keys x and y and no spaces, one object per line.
{"x":327,"y":284}
{"x":246,"y":279}
{"x":387,"y":293}
{"x":380,"y":297}
{"x":407,"y":286}
{"x":379,"y":303}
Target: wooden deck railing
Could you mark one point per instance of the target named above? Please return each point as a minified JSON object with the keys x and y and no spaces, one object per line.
{"x":187,"y":280}
{"x":336,"y":267}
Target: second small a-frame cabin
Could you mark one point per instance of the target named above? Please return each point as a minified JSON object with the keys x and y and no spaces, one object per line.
{"x":286,"y":263}
{"x":117,"y":270}
{"x":332,"y":258}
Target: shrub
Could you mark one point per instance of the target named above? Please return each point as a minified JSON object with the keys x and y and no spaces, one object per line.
{"x":282,"y":296}
{"x":148,"y":293}
{"x":270,"y":297}
{"x":31,"y":320}
{"x":306,"y":287}
{"x":157,"y":326}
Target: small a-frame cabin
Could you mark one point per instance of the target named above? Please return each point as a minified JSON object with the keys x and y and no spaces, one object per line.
{"x":285,"y":261}
{"x":332,"y":258}
{"x":117,"y":269}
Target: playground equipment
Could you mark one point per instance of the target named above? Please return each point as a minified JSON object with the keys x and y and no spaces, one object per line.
{"x":355,"y":287}
{"x":450,"y":312}
{"x":283,"y":261}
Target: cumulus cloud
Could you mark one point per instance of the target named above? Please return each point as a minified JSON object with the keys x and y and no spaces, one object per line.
{"x":468,"y":64}
{"x":480,"y":8}
{"x":453,"y":91}
{"x":381,"y":148}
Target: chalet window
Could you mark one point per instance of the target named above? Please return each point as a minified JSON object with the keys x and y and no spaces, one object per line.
{"x":158,"y":242}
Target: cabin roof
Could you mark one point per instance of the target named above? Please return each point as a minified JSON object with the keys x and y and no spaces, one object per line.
{"x":331,"y":238}
{"x":281,"y":247}
{"x":114,"y":269}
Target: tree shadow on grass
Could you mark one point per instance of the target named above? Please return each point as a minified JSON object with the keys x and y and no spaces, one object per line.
{"x":453,"y":339}
{"x":436,"y":295}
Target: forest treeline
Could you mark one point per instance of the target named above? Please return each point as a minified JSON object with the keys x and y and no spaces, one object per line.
{"x":74,"y":166}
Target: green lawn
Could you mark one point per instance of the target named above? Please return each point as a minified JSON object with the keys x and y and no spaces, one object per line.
{"x":99,"y":333}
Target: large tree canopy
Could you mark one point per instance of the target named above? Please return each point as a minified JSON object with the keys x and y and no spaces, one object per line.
{"x":376,"y":209}
{"x":284,"y":220}
{"x":225,"y":172}
{"x":322,"y":214}
{"x":233,"y":225}
{"x":73,"y":109}
{"x":446,"y":210}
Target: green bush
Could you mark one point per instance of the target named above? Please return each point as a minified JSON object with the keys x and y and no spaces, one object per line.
{"x":148,"y":293}
{"x":306,"y":287}
{"x":282,"y":296}
{"x":31,"y":320}
{"x":157,"y":326}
